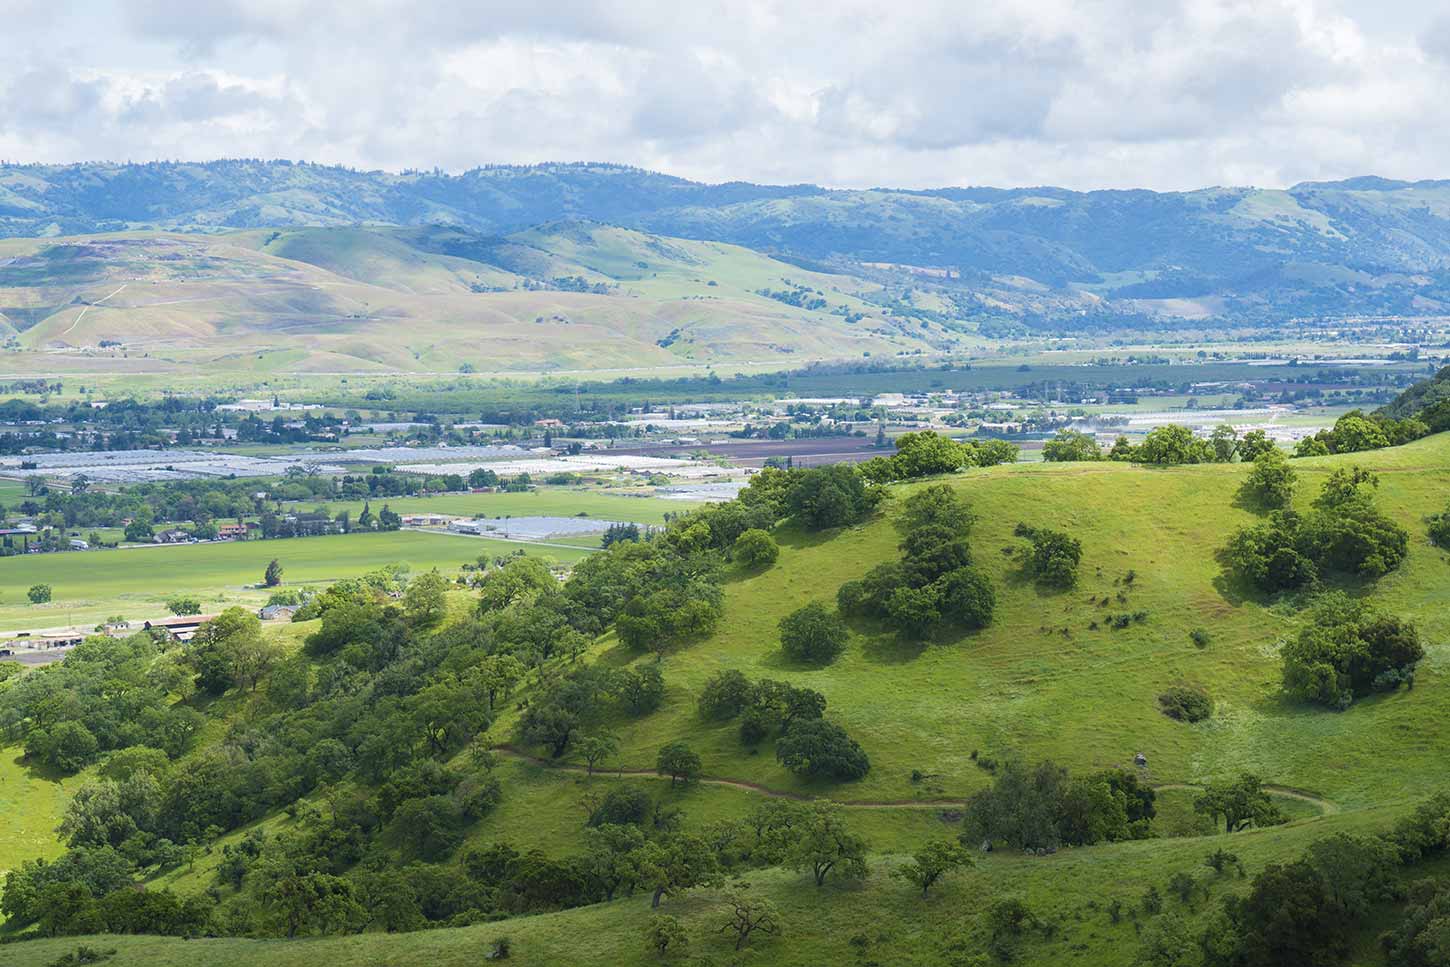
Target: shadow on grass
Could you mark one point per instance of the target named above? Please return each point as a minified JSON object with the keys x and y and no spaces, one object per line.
{"x":38,"y":770}
{"x":799,"y":539}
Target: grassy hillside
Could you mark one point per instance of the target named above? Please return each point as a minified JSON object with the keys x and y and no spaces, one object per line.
{"x":1039,"y":683}
{"x":358,"y":300}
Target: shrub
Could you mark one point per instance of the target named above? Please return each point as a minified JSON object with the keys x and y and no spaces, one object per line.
{"x":1186,"y":703}
{"x":39,"y":593}
{"x":1052,"y":556}
{"x":624,"y":806}
{"x":755,"y":548}
{"x":1439,"y":527}
{"x":1200,"y":637}
{"x":812,"y":634}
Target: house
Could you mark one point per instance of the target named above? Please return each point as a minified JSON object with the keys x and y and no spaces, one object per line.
{"x":174,"y":535}
{"x":277,"y":612}
{"x":232,"y":532}
{"x":76,"y":544}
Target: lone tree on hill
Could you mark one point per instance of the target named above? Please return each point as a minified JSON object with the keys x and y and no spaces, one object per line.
{"x":677,"y":761}
{"x":273,"y":577}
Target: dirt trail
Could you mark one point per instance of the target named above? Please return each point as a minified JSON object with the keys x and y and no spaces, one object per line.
{"x":1325,"y":807}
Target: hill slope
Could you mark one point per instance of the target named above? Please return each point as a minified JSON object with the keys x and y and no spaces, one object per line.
{"x":1040,"y":682}
{"x":561,"y":296}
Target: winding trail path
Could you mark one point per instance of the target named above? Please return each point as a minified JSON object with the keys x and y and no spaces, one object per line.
{"x":1325,"y":806}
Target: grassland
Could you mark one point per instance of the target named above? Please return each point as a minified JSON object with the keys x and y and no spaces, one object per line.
{"x":1041,"y":683}
{"x":136,"y":582}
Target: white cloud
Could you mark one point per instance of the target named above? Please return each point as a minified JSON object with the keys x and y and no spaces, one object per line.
{"x":1082,"y":93}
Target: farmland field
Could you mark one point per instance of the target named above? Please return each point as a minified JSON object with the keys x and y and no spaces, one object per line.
{"x":545,"y":502}
{"x":136,"y":582}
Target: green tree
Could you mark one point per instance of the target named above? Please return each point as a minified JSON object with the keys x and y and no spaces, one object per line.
{"x":663,"y":934}
{"x":67,"y":746}
{"x":594,"y":749}
{"x":39,"y":593}
{"x":1271,"y":482}
{"x":755,"y":549}
{"x":1172,"y":445}
{"x":813,"y":634}
{"x":1254,"y":444}
{"x":1225,"y":443}
{"x":815,"y":747}
{"x":679,"y":762}
{"x":680,"y":861}
{"x":425,"y":602}
{"x":749,"y":914}
{"x":184,"y":606}
{"x":273,"y":577}
{"x":1238,"y":803}
{"x":822,"y":843}
{"x":1052,"y":556}
{"x":931,"y":862}
{"x":1071,"y":446}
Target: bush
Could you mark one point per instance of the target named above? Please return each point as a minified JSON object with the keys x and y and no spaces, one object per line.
{"x":1186,"y":703}
{"x":39,"y":593}
{"x":1200,"y":637}
{"x":812,"y":634}
{"x":1439,"y":528}
{"x":756,"y":549}
{"x":1052,"y":557}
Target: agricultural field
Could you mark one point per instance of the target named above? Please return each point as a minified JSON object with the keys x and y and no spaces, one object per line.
{"x":544,"y":502}
{"x":90,"y":586}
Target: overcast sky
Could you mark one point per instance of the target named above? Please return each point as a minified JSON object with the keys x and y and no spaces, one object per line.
{"x":1109,"y":93}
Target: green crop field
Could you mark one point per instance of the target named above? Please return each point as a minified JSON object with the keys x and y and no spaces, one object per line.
{"x":544,"y":502}
{"x":136,"y":582}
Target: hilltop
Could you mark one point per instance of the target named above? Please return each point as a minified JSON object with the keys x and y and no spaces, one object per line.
{"x":1361,"y":246}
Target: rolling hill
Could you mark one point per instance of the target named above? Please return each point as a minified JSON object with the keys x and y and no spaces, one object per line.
{"x":1048,"y":679}
{"x":567,"y":296}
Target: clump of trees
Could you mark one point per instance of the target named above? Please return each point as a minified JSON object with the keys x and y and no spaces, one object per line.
{"x":807,"y":745}
{"x":1051,"y":558}
{"x":1071,"y":446}
{"x":1042,"y":807}
{"x":1344,"y":533}
{"x":925,"y":453}
{"x":1347,"y":650}
{"x":935,"y":584}
{"x":1356,"y":431}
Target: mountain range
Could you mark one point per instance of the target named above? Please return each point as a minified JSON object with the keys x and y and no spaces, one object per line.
{"x":971,"y":262}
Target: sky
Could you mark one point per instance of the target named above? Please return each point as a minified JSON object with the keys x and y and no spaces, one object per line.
{"x":1160,"y":94}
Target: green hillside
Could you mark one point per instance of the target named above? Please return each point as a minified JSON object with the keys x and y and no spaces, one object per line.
{"x":1040,"y":682}
{"x":571,"y":296}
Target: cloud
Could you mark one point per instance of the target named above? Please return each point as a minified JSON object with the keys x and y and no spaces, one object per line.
{"x":1084,"y":93}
